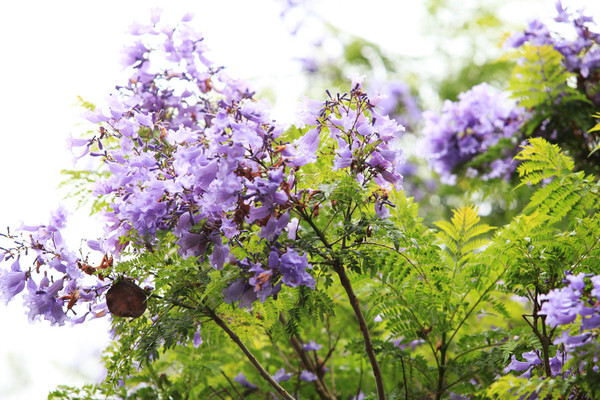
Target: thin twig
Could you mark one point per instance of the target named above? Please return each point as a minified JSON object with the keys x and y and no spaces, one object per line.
{"x":232,"y":385}
{"x":307,"y":363}
{"x":215,"y":393}
{"x":404,"y":378}
{"x":261,"y":370}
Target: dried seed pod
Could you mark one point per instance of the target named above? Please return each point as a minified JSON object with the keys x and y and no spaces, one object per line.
{"x":126,"y":299}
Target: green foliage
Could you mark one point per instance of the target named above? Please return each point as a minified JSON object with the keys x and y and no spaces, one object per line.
{"x":567,"y":192}
{"x":436,"y":294}
{"x":540,"y":77}
{"x":560,"y":107}
{"x":459,"y":235}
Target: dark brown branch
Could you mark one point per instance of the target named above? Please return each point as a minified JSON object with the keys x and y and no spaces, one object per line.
{"x":364,"y":329}
{"x":362,"y":323}
{"x":261,"y":370}
{"x":404,"y":378}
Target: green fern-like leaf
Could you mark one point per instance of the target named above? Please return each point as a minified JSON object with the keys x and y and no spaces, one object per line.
{"x":461,"y":235}
{"x":540,"y":77}
{"x":542,"y":160}
{"x":566,"y":192}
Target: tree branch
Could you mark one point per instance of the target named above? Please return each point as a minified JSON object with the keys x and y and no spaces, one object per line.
{"x":364,"y":329}
{"x":261,"y":370}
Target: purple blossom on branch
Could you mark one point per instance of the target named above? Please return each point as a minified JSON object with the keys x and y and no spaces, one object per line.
{"x":307,"y":376}
{"x":12,"y":282}
{"x":312,"y":346}
{"x":574,"y":308}
{"x":468,"y":128}
{"x":581,"y":51}
{"x":241,"y":379}
{"x":281,"y":375}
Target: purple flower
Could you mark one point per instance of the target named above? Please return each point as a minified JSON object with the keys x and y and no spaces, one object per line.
{"x":307,"y":376}
{"x":591,"y":322}
{"x":303,"y":150}
{"x":274,"y":227}
{"x":576,"y":281}
{"x":12,"y":282}
{"x":242,"y":291}
{"x":412,"y":344}
{"x":397,"y":102}
{"x":468,"y":128}
{"x":596,"y":283}
{"x":516,"y":365}
{"x":572,"y":341}
{"x":381,"y":210}
{"x":343,"y":156}
{"x":281,"y":375}
{"x":44,"y":302}
{"x":145,"y":120}
{"x":560,"y":307}
{"x":241,"y":379}
{"x":580,"y":50}
{"x":293,"y":269}
{"x":312,"y":346}
{"x":292,"y":228}
{"x":192,"y":244}
{"x":197,"y":338}
{"x":219,"y":255}
{"x":556,"y":364}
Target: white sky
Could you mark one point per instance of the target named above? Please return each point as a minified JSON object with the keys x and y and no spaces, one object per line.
{"x":53,"y":51}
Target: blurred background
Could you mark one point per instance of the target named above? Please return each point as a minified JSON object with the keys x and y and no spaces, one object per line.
{"x":417,"y":52}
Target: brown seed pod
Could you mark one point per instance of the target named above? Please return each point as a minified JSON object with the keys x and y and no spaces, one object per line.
{"x":126,"y":299}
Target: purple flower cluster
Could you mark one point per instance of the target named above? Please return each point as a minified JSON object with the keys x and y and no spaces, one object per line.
{"x":468,"y":128}
{"x":312,"y":346}
{"x":198,"y":156}
{"x":575,"y":307}
{"x":533,"y":359}
{"x":243,"y":381}
{"x":366,"y":142}
{"x":290,"y":266}
{"x":189,"y":151}
{"x":65,"y":281}
{"x":581,"y":52}
{"x":563,"y":306}
{"x":279,"y":376}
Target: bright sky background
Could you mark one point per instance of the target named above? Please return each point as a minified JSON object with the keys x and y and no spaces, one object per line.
{"x":53,"y":51}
